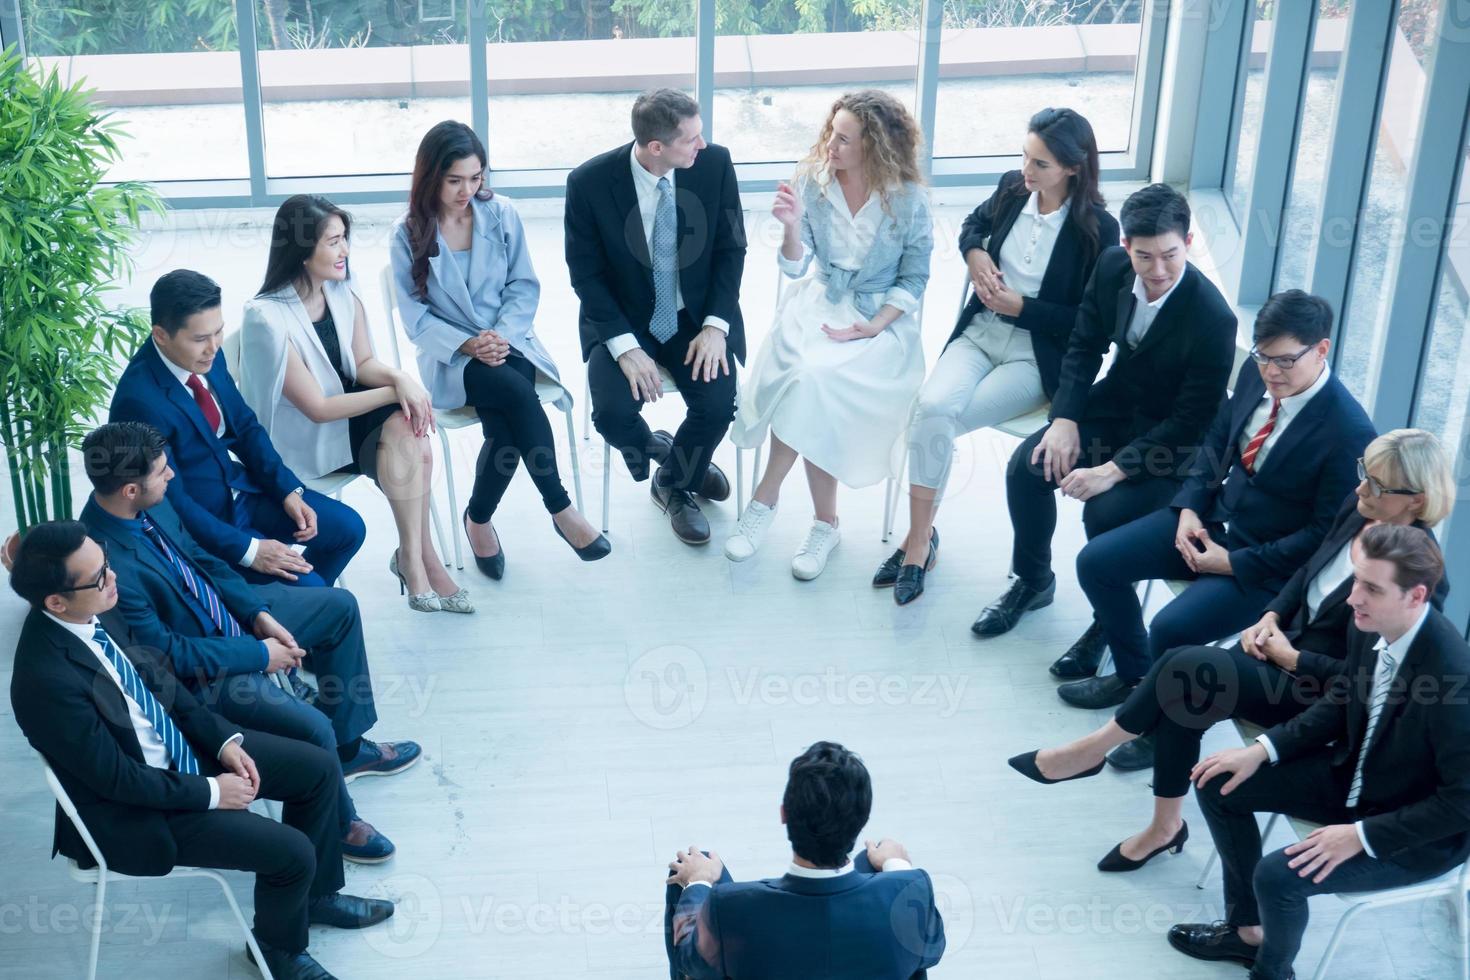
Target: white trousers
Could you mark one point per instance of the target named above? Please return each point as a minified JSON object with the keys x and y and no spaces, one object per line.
{"x":986,"y":376}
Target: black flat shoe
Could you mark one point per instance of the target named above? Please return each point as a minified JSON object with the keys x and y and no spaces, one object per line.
{"x":494,"y":566}
{"x":1096,"y":692}
{"x":1025,"y":764}
{"x":599,"y":548}
{"x":1133,"y":756}
{"x":910,"y":583}
{"x":1212,"y":941}
{"x":887,"y":573}
{"x":1082,"y":657}
{"x":1115,"y":861}
{"x":689,"y":524}
{"x":1003,"y":614}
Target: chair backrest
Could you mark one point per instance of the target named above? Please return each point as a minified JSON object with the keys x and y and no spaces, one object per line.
{"x":390,"y":314}
{"x":69,"y":808}
{"x":231,"y":349}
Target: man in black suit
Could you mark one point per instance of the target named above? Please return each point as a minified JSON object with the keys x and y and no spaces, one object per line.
{"x":655,"y":243}
{"x":1383,"y":763}
{"x":1121,"y":444}
{"x":1260,"y":496}
{"x":159,"y":780}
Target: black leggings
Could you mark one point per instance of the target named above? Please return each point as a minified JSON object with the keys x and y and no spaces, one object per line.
{"x":1191,"y":688}
{"x":516,"y":429}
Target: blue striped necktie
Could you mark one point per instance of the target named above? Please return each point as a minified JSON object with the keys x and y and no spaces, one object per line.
{"x":197,"y":585}
{"x":179,"y":753}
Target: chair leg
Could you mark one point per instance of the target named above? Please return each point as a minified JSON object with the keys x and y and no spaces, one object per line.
{"x":576,"y":462}
{"x":97,"y":925}
{"x":1209,"y":866}
{"x":606,"y":483}
{"x":1105,"y":664}
{"x":453,"y":497}
{"x":1462,"y":910}
{"x":739,"y":481}
{"x":437,"y":522}
{"x":887,"y":508}
{"x":755,"y":472}
{"x":1332,"y":944}
{"x":224,"y":886}
{"x":587,"y":412}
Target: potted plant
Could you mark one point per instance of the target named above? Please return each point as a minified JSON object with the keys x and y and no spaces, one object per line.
{"x":64,"y":239}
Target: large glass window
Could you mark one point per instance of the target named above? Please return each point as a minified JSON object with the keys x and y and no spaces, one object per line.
{"x":1252,"y":107}
{"x":348,"y":86}
{"x":170,"y":72}
{"x":1001,"y":62}
{"x":1444,"y":390}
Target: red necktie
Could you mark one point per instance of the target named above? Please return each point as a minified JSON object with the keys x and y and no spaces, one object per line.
{"x":207,"y":405}
{"x":1248,"y":457}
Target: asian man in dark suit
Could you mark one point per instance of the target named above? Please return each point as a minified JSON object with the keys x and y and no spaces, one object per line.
{"x":158,"y":780}
{"x":234,"y":493}
{"x":829,"y":917}
{"x":1121,"y":444}
{"x":655,"y":243}
{"x":1383,"y":763}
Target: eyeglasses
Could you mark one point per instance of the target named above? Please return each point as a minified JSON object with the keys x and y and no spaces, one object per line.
{"x":99,"y":584}
{"x":1284,"y":361}
{"x":1377,"y":489}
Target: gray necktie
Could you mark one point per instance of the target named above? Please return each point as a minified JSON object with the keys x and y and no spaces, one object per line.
{"x":1386,"y":666}
{"x":665,"y":321}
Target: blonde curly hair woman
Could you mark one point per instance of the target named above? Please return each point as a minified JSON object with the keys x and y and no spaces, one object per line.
{"x":835,"y":380}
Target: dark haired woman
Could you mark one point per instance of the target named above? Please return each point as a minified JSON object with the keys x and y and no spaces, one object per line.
{"x":1030,"y":249}
{"x":308,"y":370}
{"x":467,"y":293}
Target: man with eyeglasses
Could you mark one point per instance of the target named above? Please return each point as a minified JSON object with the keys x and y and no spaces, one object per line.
{"x":1261,"y":493}
{"x":159,"y":780}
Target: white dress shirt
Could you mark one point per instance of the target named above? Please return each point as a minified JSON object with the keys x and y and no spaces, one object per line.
{"x":155,"y":753}
{"x":646,"y":184}
{"x":800,"y":871}
{"x":1329,"y":579}
{"x":1146,"y":311}
{"x":1291,"y":405}
{"x":1024,"y":256}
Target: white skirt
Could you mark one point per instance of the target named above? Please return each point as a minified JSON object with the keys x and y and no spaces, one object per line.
{"x":844,"y":406}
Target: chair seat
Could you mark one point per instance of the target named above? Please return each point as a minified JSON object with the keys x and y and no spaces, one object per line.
{"x":1023,"y":426}
{"x":330,"y":483}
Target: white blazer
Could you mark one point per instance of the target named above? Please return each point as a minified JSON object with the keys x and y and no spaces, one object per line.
{"x":312,"y":449}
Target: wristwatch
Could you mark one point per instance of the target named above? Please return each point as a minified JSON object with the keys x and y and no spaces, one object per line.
{"x":300,"y":491}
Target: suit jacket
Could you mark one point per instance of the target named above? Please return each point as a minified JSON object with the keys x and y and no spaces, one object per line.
{"x":1051,"y":314}
{"x":607,"y":253}
{"x":1279,"y":514}
{"x":160,"y":612}
{"x":1167,"y":390}
{"x":859,"y":926}
{"x":1322,"y":640}
{"x":206,"y":477}
{"x":1415,"y":801}
{"x":75,"y":715}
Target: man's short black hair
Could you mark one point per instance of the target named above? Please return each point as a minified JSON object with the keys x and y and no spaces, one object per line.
{"x":828,"y":798}
{"x":180,"y":294}
{"x":40,"y":562}
{"x":658,"y":113}
{"x":1156,"y":210}
{"x":120,"y":453}
{"x":1294,"y":313}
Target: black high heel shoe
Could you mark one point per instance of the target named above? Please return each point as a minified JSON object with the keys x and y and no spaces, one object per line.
{"x":599,"y":548}
{"x":910,"y":583}
{"x":1115,"y":861}
{"x":494,"y":566}
{"x":1025,"y":764}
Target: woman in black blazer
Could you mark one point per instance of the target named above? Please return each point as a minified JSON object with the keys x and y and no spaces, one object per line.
{"x":1281,"y":665}
{"x":1030,"y":249}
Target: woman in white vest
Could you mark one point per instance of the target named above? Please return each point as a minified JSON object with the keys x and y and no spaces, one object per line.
{"x":308,"y":371}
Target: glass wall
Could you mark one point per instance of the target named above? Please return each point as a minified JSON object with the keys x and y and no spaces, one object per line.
{"x":1251,"y":108}
{"x":1444,"y":389}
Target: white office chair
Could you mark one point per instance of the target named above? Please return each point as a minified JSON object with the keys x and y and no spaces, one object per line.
{"x":548,"y":391}
{"x":100,"y":876}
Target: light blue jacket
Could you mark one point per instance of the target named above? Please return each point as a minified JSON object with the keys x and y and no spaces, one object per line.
{"x":897,"y":266}
{"x":502,"y":294}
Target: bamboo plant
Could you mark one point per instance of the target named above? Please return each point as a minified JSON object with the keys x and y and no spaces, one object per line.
{"x":64,"y":241}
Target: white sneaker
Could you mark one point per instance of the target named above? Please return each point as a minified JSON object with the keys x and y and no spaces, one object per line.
{"x":811,"y":558}
{"x":750,"y":531}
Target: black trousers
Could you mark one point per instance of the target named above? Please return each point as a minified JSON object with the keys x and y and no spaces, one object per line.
{"x":516,"y":429}
{"x":1191,"y":688}
{"x":295,"y":860}
{"x":1033,"y":505}
{"x":709,"y":410}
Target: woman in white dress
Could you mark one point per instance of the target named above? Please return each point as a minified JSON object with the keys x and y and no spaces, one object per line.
{"x":835,"y":381}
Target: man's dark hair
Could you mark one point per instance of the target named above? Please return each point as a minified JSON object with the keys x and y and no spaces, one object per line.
{"x":828,"y":798}
{"x":658,"y":113}
{"x":1294,"y":313}
{"x":1412,"y":551}
{"x":180,"y":294}
{"x":40,"y":561}
{"x":120,"y":453}
{"x":1156,"y":210}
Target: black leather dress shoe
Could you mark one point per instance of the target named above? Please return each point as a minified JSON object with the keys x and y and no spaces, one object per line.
{"x":1004,"y":613}
{"x":690,"y":526}
{"x":1133,"y":756}
{"x":887,"y":573}
{"x":288,"y":966}
{"x":1212,"y":941}
{"x":715,"y":486}
{"x":1082,"y":657}
{"x":347,"y":911}
{"x":910,"y":582}
{"x":660,"y":446}
{"x":1096,"y":692}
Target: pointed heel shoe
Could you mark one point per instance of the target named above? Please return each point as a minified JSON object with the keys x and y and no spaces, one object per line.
{"x":910,"y":582}
{"x":1025,"y":764}
{"x":599,"y":548}
{"x":421,"y":602}
{"x":494,"y":566}
{"x":1115,"y":861}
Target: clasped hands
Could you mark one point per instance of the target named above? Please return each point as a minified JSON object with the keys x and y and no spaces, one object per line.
{"x":487,"y":347}
{"x":277,"y":558}
{"x":281,"y":647}
{"x":1057,"y":454}
{"x":239,"y":784}
{"x":1199,"y":551}
{"x":990,"y":285}
{"x":1265,"y":641}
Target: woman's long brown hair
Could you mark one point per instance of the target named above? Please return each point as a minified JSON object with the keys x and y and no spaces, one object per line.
{"x":441,"y":148}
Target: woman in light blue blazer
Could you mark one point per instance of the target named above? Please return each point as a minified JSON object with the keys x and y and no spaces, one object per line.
{"x":467,"y":293}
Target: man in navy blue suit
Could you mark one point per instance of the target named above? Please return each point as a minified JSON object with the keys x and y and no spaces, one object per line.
{"x":234,"y":494}
{"x":828,"y":917}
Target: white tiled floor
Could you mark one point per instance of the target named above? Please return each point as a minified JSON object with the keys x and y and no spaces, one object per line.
{"x":592,"y":719}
